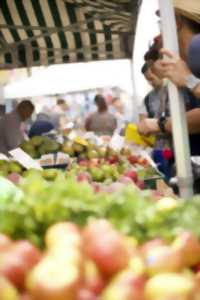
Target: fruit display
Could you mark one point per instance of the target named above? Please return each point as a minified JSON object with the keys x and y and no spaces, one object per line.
{"x":42,"y":203}
{"x":92,"y":232}
{"x":9,"y":167}
{"x":98,"y":262}
{"x":40,"y":145}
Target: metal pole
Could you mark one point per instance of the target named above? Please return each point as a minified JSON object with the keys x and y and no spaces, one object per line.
{"x":179,"y":125}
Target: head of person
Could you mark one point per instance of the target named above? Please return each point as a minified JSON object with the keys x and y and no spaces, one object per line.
{"x":118,"y":105}
{"x":25,"y":109}
{"x":63,"y":105}
{"x":100,"y":103}
{"x":151,"y":77}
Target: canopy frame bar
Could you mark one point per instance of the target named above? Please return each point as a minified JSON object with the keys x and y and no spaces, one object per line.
{"x":178,"y":114}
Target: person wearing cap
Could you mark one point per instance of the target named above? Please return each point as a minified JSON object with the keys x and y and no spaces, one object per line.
{"x":177,"y":70}
{"x":10,"y":126}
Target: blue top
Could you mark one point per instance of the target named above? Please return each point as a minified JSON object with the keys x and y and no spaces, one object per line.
{"x":194,"y":55}
{"x":40,"y":127}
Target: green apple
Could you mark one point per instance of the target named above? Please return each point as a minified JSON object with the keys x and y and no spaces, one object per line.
{"x":92,"y":154}
{"x":97,"y":174}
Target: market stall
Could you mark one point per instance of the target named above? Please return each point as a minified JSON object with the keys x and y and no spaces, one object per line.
{"x":37,"y":33}
{"x":79,"y":220}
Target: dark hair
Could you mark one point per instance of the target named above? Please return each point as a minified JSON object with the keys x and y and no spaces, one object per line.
{"x":26,"y":104}
{"x":60,"y":102}
{"x":152,"y":54}
{"x":100,"y":102}
{"x":115,"y":99}
{"x":145,"y":68}
{"x":194,"y":26}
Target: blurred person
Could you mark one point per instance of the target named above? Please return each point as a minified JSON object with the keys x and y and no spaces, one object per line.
{"x":155,"y":100}
{"x":40,"y":126}
{"x":11,"y":134}
{"x":101,"y":122}
{"x":116,"y":107}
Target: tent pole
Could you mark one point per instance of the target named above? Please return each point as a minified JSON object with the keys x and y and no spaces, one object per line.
{"x":179,"y":125}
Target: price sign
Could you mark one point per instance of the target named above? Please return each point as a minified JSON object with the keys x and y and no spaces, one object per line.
{"x":24,"y":159}
{"x":117,"y":142}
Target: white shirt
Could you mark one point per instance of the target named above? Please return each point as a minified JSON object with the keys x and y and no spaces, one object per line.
{"x":10,"y":132}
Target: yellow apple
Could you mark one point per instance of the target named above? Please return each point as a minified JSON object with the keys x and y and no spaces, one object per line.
{"x":169,"y":286}
{"x":163,"y":259}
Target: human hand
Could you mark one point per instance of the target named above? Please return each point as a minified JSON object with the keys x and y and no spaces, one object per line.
{"x":174,"y":68}
{"x":148,"y":126}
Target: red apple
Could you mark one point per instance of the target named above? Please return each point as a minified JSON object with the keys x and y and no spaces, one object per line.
{"x":84,"y":176}
{"x":140,"y":184}
{"x":96,"y":187}
{"x":106,"y":247}
{"x":163,"y":259}
{"x":54,"y":280}
{"x":125,"y":286}
{"x":125,"y":180}
{"x":25,"y":296}
{"x":14,"y":178}
{"x":132,"y":175}
{"x":14,"y":268}
{"x":27,"y":252}
{"x":133,"y":159}
{"x":84,"y":163}
{"x":7,"y":290}
{"x":5,"y":242}
{"x":93,"y":281}
{"x":113,"y":159}
{"x":189,"y":246}
{"x":143,"y":161}
{"x":94,"y":162}
{"x":84,"y":294}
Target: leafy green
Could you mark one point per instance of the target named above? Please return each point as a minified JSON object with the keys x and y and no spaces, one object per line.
{"x":43,"y":203}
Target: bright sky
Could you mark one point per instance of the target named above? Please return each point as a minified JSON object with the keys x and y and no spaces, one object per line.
{"x":147,"y":29}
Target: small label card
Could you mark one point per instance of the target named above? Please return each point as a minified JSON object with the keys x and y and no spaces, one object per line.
{"x":24,"y":159}
{"x":117,"y":142}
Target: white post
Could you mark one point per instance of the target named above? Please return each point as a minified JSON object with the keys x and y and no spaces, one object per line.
{"x":179,"y":126}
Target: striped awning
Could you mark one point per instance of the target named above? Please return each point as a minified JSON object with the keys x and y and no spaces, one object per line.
{"x":44,"y":32}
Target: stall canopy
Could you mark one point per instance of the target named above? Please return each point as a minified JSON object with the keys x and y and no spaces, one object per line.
{"x":44,"y":32}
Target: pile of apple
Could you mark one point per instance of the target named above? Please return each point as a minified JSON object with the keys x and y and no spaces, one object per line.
{"x":98,"y":262}
{"x":123,"y":170}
